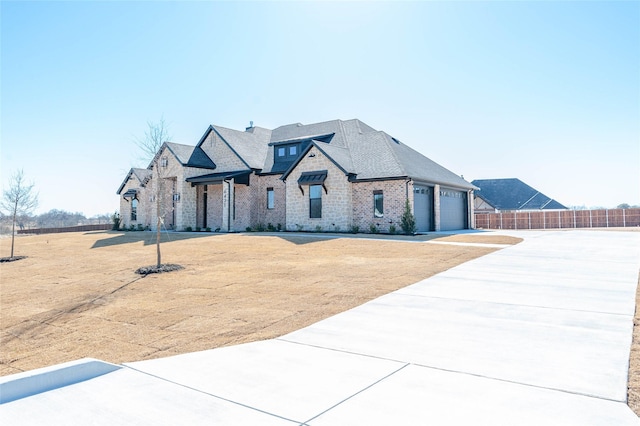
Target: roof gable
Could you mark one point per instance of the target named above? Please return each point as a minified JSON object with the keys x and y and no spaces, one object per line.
{"x":337,"y":155}
{"x":142,"y":175}
{"x":249,"y":146}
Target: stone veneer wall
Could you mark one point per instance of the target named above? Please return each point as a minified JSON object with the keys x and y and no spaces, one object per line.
{"x":243,"y":201}
{"x":225,"y":159}
{"x":336,"y":203}
{"x":144,"y":209}
{"x":259,"y":212}
{"x":394,"y":195}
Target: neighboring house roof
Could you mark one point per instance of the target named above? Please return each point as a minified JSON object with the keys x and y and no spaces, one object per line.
{"x":143,"y":175}
{"x":513,"y":194}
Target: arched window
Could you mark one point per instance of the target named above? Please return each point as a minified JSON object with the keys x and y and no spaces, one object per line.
{"x":134,"y":209}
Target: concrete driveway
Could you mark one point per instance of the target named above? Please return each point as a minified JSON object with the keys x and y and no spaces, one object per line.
{"x":538,"y":333}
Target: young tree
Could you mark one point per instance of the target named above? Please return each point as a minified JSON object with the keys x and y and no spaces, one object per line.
{"x":408,"y":221}
{"x":155,"y":136}
{"x":18,"y":200}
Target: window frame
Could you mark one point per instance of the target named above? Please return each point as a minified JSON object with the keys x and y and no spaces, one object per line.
{"x":271,"y":199}
{"x":378,"y":195}
{"x":315,"y":201}
{"x":134,"y":210}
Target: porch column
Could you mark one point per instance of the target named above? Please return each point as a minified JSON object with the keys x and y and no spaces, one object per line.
{"x":227,"y":205}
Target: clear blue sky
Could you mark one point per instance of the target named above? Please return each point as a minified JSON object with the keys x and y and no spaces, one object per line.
{"x":548,"y":92}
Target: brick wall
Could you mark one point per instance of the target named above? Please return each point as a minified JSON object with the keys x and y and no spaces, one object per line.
{"x":224,"y":158}
{"x":336,"y":203}
{"x":394,"y":196}
{"x":125,"y":205}
{"x":259,"y":212}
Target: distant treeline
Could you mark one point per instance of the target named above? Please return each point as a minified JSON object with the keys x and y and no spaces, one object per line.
{"x":52,"y":219}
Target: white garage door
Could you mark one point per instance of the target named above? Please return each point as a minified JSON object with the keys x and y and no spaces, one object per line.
{"x":453,"y":210}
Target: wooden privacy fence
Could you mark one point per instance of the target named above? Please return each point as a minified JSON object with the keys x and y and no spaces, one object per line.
{"x":79,"y":228}
{"x":557,"y":219}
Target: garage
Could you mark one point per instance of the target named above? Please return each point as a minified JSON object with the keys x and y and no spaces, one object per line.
{"x":453,"y":209}
{"x":423,"y":208}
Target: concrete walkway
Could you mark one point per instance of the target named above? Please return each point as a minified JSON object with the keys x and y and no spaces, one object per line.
{"x":535,"y":334}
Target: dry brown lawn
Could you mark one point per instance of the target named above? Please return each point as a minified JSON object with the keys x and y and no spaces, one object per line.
{"x":633,"y":394}
{"x":76,"y":295}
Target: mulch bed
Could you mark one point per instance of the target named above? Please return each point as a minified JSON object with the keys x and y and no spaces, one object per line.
{"x":154,"y":269}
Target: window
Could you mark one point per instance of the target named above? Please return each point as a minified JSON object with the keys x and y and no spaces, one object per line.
{"x":315,"y":201}
{"x":176,"y":197}
{"x":134,"y":209}
{"x":164,"y":162}
{"x":288,"y":152}
{"x":378,"y":204}
{"x":270,"y":199}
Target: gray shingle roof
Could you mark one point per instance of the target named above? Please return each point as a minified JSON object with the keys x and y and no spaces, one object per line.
{"x":182,"y":152}
{"x":358,"y":149}
{"x":251,"y":147}
{"x":200,"y":159}
{"x":513,"y":194}
{"x":370,"y":154}
{"x":142,"y":175}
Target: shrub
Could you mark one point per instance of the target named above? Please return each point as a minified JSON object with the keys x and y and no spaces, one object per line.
{"x":207,"y":229}
{"x":270,"y":227}
{"x":373,"y":228}
{"x":354,"y":229}
{"x":140,"y":227}
{"x":336,"y":228}
{"x":260,"y":227}
{"x":318,"y":228}
{"x":198,"y":229}
{"x":188,"y":229}
{"x":299,"y":227}
{"x":116,"y":221}
{"x":132,"y":228}
{"x":392,"y":229}
{"x":279,"y":227}
{"x":408,"y":221}
{"x":248,"y":229}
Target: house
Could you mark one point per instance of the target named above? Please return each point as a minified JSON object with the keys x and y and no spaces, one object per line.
{"x":507,"y":195}
{"x":332,"y":176}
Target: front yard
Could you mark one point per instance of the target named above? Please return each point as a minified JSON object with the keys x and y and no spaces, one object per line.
{"x":76,"y":295}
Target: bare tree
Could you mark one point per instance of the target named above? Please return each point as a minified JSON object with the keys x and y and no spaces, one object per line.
{"x":155,"y":136}
{"x":18,"y":200}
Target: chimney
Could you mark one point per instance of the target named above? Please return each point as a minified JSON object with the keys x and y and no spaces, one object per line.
{"x":248,"y":129}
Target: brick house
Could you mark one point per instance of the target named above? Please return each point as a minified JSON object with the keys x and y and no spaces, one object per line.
{"x":330,"y":176}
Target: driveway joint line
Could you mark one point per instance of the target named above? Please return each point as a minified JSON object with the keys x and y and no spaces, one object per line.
{"x":456,"y":372}
{"x":210,"y":394}
{"x":357,"y":393}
